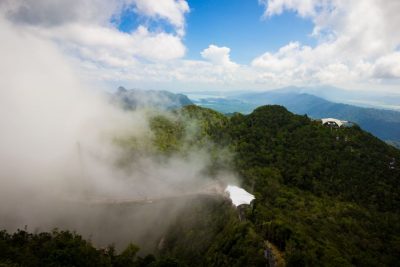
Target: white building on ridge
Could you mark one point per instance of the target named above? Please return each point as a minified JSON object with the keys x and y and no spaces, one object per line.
{"x":334,"y":122}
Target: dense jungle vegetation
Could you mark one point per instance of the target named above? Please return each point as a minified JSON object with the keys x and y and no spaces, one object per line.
{"x":324,"y":197}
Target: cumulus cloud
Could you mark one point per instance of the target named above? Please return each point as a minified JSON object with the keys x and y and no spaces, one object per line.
{"x":218,"y":56}
{"x":276,"y":7}
{"x":47,"y":13}
{"x":217,"y":69}
{"x":114,"y":48}
{"x":85,"y":28}
{"x":87,"y":32}
{"x":51,"y":13}
{"x":287,"y":57}
{"x":388,"y":66}
{"x":355,"y":41}
{"x":171,"y":10}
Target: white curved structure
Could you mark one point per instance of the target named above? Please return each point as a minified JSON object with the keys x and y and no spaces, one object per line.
{"x":238,"y":195}
{"x":332,"y":122}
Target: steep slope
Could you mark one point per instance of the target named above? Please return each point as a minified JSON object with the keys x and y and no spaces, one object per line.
{"x":325,"y":197}
{"x":208,"y":232}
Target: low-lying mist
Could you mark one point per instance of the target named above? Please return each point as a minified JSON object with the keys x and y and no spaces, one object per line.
{"x":60,"y":164}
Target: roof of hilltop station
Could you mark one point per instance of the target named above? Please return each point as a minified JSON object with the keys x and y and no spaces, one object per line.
{"x":238,"y":195}
{"x":338,"y":122}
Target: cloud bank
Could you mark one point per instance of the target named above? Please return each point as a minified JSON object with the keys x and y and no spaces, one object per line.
{"x":357,"y":44}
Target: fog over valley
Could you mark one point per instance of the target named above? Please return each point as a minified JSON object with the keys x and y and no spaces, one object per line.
{"x":60,"y":153}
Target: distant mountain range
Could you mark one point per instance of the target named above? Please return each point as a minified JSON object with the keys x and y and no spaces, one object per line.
{"x":136,"y":98}
{"x":369,"y":99}
{"x":384,"y":124}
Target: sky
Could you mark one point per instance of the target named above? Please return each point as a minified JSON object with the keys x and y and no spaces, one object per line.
{"x":221,"y":45}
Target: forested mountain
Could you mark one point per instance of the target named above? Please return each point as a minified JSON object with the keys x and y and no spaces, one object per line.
{"x":324,"y":197}
{"x":334,"y":192}
{"x":384,"y":124}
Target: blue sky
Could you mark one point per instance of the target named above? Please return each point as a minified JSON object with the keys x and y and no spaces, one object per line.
{"x":238,"y":24}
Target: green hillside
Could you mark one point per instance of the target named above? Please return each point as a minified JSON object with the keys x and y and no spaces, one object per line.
{"x":324,"y":196}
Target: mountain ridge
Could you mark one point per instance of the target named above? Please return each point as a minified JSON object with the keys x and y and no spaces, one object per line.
{"x":383,"y":123}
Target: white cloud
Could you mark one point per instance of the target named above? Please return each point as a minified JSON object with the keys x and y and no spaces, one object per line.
{"x":287,"y":57}
{"x":276,"y":7}
{"x":86,"y":31}
{"x":56,"y":12}
{"x":357,"y":42}
{"x":172,"y":10}
{"x":100,"y":44}
{"x":388,"y":66}
{"x":218,"y":56}
{"x":49,"y":13}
